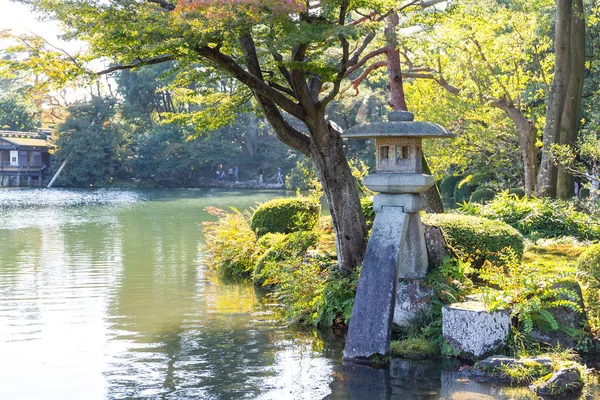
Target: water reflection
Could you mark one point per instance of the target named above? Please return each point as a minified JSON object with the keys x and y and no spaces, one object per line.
{"x":108,"y":297}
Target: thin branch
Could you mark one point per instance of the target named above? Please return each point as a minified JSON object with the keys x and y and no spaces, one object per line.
{"x":139,"y":63}
{"x":378,"y":64}
{"x":366,"y":58}
{"x":368,"y":39}
{"x":283,"y":89}
{"x":343,"y":63}
{"x":255,"y":83}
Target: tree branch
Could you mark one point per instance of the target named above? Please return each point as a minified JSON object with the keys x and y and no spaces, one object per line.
{"x":284,"y":131}
{"x":254,"y":82}
{"x":368,"y":39}
{"x":366,"y":58}
{"x":378,"y":64}
{"x":139,"y":63}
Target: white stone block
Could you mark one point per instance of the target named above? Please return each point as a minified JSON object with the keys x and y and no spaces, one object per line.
{"x":473,"y":331}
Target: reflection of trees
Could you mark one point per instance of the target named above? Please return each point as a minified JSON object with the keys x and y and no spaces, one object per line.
{"x":182,"y":329}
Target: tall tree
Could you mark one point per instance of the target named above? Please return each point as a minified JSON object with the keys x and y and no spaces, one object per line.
{"x":489,"y":52}
{"x":564,"y":98}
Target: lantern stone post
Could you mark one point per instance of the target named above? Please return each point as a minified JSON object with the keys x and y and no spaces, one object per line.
{"x":396,"y":247}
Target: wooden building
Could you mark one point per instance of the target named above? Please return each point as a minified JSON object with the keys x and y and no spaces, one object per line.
{"x":24,"y":158}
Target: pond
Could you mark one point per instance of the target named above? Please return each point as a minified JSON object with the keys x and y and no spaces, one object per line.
{"x":104,"y":295}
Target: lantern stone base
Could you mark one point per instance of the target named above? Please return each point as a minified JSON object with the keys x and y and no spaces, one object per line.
{"x":412,"y":298}
{"x":410,"y":203}
{"x":399,"y":183}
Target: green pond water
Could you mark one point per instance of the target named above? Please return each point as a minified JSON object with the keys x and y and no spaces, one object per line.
{"x":104,"y":295}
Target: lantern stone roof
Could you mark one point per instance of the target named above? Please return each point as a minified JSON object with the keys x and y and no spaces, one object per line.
{"x":400,"y":124}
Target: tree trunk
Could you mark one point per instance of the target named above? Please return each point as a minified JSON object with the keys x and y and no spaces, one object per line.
{"x":527,"y":133}
{"x":333,"y":171}
{"x":556,"y":98}
{"x":251,"y":138}
{"x":396,"y":100}
{"x":570,"y":116}
{"x":431,"y":197}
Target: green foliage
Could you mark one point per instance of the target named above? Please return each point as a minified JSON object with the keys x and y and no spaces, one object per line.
{"x":450,"y":284}
{"x":310,"y":288}
{"x":463,"y":191}
{"x":90,"y":140}
{"x":279,"y":247}
{"x":530,"y":292}
{"x":413,"y":348}
{"x":519,"y":192}
{"x":231,"y":244}
{"x":482,"y":195}
{"x":285,"y":215}
{"x":588,"y":266}
{"x":448,"y":184}
{"x":477,"y":239}
{"x":546,"y":218}
{"x":15,"y":114}
{"x":302,"y":176}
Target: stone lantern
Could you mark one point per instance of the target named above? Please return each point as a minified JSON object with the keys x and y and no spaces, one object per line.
{"x":396,"y":248}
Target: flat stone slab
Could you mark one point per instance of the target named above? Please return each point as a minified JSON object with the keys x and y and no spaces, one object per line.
{"x":472,"y":330}
{"x":371,"y":323}
{"x":499,"y":361}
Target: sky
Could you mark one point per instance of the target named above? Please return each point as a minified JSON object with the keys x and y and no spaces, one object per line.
{"x":21,"y":19}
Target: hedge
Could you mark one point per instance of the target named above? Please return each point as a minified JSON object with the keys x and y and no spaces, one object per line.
{"x":588,"y":266}
{"x":286,"y":215}
{"x":482,"y":195}
{"x":476,"y":239}
{"x":448,"y":184}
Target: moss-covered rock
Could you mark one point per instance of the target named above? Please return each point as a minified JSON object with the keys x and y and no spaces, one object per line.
{"x":413,"y":348}
{"x":476,"y":239}
{"x":286,"y":215}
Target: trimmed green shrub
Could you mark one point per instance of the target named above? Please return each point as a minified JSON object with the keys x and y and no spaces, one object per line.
{"x":541,"y":218}
{"x":463,"y":192}
{"x":478,"y":239}
{"x":588,"y":266}
{"x":480,"y":178}
{"x":482,"y":195}
{"x":519,"y":192}
{"x":285,"y":215}
{"x":448,"y":184}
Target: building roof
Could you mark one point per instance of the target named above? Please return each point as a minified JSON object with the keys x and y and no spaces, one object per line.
{"x":27,"y":139}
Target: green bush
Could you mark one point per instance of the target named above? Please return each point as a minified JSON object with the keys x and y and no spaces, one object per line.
{"x":541,"y":218}
{"x":477,"y":239}
{"x":588,"y":266}
{"x":480,"y":178}
{"x":279,"y":247}
{"x":448,"y":185}
{"x":482,"y":195}
{"x":462,"y":192}
{"x":231,"y":244}
{"x":519,"y":192}
{"x":285,"y":215}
